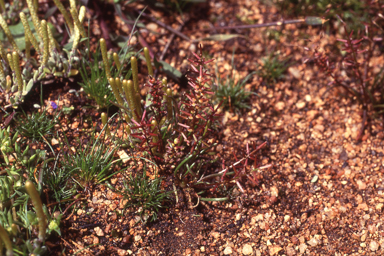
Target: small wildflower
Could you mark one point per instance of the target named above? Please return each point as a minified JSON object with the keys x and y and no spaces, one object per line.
{"x":53,"y":105}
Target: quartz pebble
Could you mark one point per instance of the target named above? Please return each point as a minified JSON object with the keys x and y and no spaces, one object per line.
{"x":227,"y":250}
{"x":247,"y":249}
{"x":99,"y":231}
{"x":373,"y":245}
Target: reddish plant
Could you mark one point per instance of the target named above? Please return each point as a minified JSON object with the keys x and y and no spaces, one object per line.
{"x":361,"y":82}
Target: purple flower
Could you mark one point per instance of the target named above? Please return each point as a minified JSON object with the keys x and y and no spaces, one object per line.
{"x":53,"y":104}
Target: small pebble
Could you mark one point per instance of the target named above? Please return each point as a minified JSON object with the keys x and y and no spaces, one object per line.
{"x":247,"y":249}
{"x":373,"y":245}
{"x":274,"y":250}
{"x":302,"y":248}
{"x":227,"y":250}
{"x":99,"y":231}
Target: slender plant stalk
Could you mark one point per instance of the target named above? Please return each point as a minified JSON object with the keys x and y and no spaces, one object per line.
{"x":155,"y":138}
{"x":3,"y":53}
{"x":2,"y":5}
{"x":2,"y":73}
{"x":129,"y":96}
{"x":78,"y":29}
{"x":148,"y":60}
{"x":8,"y":33}
{"x":67,"y":18}
{"x":35,"y":19}
{"x":118,"y":85}
{"x":27,"y":47}
{"x":28,"y":32}
{"x":103,"y":48}
{"x":52,"y":41}
{"x":76,"y":39}
{"x":10,"y":61}
{"x":75,"y":17}
{"x":117,"y":61}
{"x":36,"y":201}
{"x":44,"y":33}
{"x":135,"y":74}
{"x":16,"y":65}
{"x":135,"y":78}
{"x":104,"y":120}
{"x":6,"y":240}
{"x":112,"y":82}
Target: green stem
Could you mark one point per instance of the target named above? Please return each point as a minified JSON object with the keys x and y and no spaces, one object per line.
{"x":5,"y":238}
{"x":36,"y":201}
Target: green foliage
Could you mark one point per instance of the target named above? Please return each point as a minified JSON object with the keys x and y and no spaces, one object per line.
{"x":59,"y":183}
{"x":95,"y":83}
{"x":273,"y":69}
{"x":18,"y":81}
{"x":144,"y":194}
{"x":91,"y":163}
{"x":231,"y":93}
{"x":19,"y":223}
{"x":36,"y":126}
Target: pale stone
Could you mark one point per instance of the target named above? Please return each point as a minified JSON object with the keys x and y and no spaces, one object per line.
{"x":280,"y":105}
{"x":227,"y":250}
{"x":152,"y":26}
{"x":274,"y":191}
{"x":215,"y":234}
{"x":274,"y":250}
{"x":313,"y":242}
{"x":295,"y":72}
{"x":290,"y":251}
{"x":373,"y":245}
{"x":300,"y":104}
{"x":123,"y":156}
{"x":99,"y":231}
{"x":319,"y":128}
{"x":361,"y":184}
{"x":247,"y":249}
{"x":302,"y":248}
{"x":54,"y":142}
{"x":363,"y":207}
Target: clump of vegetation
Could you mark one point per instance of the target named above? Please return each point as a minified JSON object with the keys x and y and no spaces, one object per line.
{"x":92,"y":163}
{"x":36,"y":126}
{"x":232,"y":94}
{"x":17,"y":81}
{"x":95,"y":82}
{"x":356,"y":74}
{"x":273,"y":69}
{"x":177,"y":133}
{"x":144,"y":194}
